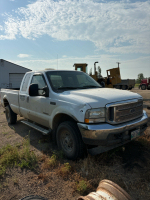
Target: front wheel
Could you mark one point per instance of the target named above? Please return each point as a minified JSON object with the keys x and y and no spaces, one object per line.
{"x":69,"y":140}
{"x":10,"y":115}
{"x":143,"y":87}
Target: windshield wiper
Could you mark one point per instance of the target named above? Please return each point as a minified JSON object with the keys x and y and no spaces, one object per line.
{"x":73,"y":88}
{"x":90,"y":86}
{"x":67,"y":88}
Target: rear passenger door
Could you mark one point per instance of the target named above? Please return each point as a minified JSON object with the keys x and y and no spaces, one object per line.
{"x":39,"y":105}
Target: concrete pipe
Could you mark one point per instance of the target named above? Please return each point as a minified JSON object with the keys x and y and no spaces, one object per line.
{"x":107,"y":190}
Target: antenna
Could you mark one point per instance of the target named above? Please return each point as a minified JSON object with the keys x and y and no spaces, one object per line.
{"x":57,"y":61}
{"x":118,"y":63}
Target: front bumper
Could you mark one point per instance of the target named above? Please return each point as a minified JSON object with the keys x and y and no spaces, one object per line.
{"x":109,"y":135}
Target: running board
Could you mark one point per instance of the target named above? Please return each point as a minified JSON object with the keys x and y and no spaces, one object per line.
{"x":38,"y":128}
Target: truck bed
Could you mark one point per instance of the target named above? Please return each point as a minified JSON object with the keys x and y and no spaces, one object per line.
{"x":12,"y":97}
{"x":127,"y":82}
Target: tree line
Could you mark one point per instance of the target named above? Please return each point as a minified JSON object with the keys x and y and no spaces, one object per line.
{"x":139,"y":78}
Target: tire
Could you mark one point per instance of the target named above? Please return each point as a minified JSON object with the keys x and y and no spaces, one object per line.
{"x":130,"y":88}
{"x":10,"y":115}
{"x":148,"y":87}
{"x":124,"y":87}
{"x":143,"y":87}
{"x":69,"y":140}
{"x":117,"y":87}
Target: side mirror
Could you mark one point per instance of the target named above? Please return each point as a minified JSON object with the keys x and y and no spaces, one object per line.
{"x":33,"y":90}
{"x":46,"y":90}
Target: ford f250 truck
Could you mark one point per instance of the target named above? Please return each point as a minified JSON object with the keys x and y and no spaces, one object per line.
{"x":80,"y":114}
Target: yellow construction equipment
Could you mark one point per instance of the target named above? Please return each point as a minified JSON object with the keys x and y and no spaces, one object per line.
{"x":81,"y":67}
{"x":113,"y":75}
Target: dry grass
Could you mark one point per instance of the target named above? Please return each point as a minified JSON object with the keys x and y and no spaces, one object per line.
{"x":128,"y":166}
{"x":145,"y":140}
{"x":64,"y":170}
{"x":43,"y":177}
{"x":16,"y":181}
{"x":49,"y":163}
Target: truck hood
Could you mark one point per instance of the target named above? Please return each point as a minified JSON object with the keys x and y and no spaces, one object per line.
{"x":99,"y":97}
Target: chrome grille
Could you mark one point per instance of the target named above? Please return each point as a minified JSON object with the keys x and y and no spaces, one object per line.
{"x":120,"y":113}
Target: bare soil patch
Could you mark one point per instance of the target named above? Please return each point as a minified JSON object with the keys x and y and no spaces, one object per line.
{"x":57,"y":178}
{"x":144,"y":93}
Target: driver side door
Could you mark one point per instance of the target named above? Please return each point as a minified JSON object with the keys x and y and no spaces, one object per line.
{"x":39,"y":105}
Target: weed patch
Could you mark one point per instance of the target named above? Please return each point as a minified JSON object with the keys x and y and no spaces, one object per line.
{"x":14,"y":156}
{"x":65,"y":170}
{"x":9,"y":136}
{"x":5,"y":133}
{"x":49,"y":162}
{"x":82,"y":187}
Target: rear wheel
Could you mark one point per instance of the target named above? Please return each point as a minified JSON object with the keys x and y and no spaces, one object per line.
{"x":143,"y":87}
{"x":124,"y":87}
{"x":10,"y":115}
{"x":69,"y":140}
{"x":117,"y":87}
{"x":148,"y":87}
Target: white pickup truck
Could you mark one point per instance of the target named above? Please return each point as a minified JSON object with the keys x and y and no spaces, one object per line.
{"x":80,"y":114}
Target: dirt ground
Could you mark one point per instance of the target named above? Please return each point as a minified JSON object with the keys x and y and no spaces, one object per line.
{"x":127,"y":166}
{"x":144,"y":93}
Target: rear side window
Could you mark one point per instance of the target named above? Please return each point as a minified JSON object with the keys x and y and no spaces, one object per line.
{"x":25,"y":82}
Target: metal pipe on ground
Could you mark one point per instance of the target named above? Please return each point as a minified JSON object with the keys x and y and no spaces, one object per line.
{"x":107,"y":190}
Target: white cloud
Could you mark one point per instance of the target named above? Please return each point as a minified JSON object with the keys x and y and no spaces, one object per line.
{"x":129,"y":68}
{"x":64,"y":56}
{"x":112,"y":26}
{"x":23,"y":55}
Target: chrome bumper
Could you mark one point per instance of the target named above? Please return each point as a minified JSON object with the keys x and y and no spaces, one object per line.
{"x":107,"y":134}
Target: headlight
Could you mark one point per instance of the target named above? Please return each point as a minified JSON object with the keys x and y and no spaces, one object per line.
{"x":95,"y":115}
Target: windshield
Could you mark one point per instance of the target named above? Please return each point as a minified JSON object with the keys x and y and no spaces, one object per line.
{"x":70,"y":80}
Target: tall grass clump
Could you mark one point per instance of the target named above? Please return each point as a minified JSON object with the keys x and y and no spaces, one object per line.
{"x":14,"y":156}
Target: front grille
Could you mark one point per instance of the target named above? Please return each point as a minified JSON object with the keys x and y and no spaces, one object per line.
{"x":124,"y":112}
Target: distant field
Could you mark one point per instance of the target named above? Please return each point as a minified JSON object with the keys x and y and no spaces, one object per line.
{"x":136,"y":85}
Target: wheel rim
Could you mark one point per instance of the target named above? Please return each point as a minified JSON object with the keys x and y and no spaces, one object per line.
{"x":7,"y":115}
{"x":143,"y":87}
{"x":67,"y":141}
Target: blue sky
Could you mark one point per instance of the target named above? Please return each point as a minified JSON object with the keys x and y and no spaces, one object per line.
{"x":34,"y":33}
